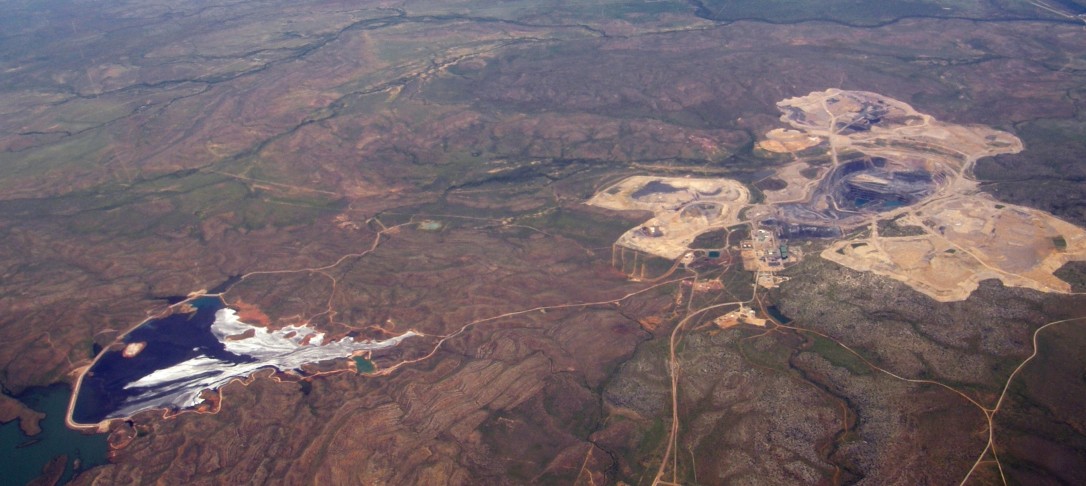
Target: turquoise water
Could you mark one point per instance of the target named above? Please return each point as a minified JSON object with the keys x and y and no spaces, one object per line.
{"x":364,"y":365}
{"x":19,"y":465}
{"x":430,"y":225}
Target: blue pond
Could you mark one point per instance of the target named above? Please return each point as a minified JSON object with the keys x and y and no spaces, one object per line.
{"x":170,"y":340}
{"x":22,"y":457}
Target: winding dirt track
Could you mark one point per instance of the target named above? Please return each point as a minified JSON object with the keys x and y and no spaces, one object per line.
{"x":989,"y":412}
{"x":654,"y":284}
{"x":673,"y":371}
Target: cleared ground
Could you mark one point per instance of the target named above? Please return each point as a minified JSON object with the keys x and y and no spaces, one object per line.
{"x":967,"y":240}
{"x":861,"y":158}
{"x":784,"y":141}
{"x":683,"y":208}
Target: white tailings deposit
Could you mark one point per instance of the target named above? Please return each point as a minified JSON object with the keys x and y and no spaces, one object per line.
{"x":285,"y":349}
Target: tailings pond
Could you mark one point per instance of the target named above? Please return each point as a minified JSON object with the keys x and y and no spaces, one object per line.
{"x":112,"y":386}
{"x":202,"y":345}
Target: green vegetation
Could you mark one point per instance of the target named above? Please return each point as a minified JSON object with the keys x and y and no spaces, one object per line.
{"x":1073,"y":273}
{"x":756,"y":194}
{"x":712,"y":239}
{"x":178,"y":203}
{"x":589,"y":228}
{"x":655,"y":266}
{"x":460,"y":214}
{"x":260,"y":212}
{"x":772,"y":184}
{"x":895,"y":228}
{"x":1059,"y":242}
{"x":862,"y":232}
{"x":738,"y":233}
{"x":511,"y":114}
{"x":652,"y":437}
{"x":837,"y":355}
{"x":766,"y":351}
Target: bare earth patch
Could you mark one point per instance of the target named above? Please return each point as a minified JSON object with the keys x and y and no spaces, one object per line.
{"x":683,"y":208}
{"x":886,"y":162}
{"x":970,"y":239}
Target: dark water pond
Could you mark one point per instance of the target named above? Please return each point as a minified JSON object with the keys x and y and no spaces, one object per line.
{"x":173,"y":339}
{"x":776,"y":314}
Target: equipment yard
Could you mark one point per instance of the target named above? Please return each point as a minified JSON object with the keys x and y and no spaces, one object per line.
{"x":767,"y":253}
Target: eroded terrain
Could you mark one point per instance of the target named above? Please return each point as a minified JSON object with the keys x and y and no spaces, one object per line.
{"x":885,"y":166}
{"x":370,"y":169}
